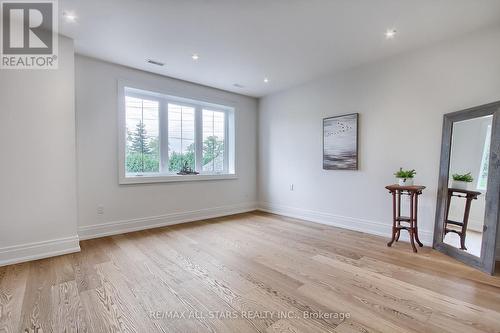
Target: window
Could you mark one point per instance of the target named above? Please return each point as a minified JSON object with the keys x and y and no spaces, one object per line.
{"x":482,"y":179}
{"x":214,"y":132}
{"x":181,"y":145}
{"x":164,"y":134}
{"x":142,"y":149}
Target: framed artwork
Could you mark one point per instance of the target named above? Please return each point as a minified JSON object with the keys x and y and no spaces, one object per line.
{"x":340,"y":142}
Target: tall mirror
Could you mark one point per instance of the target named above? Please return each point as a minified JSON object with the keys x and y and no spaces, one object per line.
{"x":467,"y":214}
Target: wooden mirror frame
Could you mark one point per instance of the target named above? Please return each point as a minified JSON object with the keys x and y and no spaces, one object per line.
{"x":486,"y":262}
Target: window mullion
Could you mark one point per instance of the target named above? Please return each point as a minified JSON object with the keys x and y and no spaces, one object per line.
{"x":213,"y":146}
{"x":198,"y":137}
{"x":163,"y":136}
{"x":226,"y":142}
{"x":142,"y":138}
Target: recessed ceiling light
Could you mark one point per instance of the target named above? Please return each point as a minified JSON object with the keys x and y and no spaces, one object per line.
{"x":390,"y":33}
{"x":195,"y":57}
{"x":70,"y":17}
{"x":266,"y":80}
{"x":154,"y":62}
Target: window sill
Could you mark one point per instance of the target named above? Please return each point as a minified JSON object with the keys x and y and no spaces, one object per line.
{"x":173,"y":178}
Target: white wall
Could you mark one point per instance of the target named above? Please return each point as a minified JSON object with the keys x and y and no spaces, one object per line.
{"x":132,"y":207}
{"x":401,"y":102}
{"x":38,"y":168}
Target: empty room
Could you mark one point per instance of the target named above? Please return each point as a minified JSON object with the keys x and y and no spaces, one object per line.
{"x":250,"y":166}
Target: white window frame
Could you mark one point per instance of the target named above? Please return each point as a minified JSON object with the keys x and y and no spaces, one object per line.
{"x":127,"y":89}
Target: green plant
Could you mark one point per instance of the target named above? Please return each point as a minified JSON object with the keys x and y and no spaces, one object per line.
{"x":405,"y":173}
{"x":463,"y":178}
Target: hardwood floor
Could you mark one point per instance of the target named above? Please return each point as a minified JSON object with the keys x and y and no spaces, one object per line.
{"x":246,"y":273}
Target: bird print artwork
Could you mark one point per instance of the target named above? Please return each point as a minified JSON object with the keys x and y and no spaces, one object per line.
{"x":340,"y":142}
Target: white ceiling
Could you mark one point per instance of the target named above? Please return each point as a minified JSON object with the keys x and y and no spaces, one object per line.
{"x":244,"y":41}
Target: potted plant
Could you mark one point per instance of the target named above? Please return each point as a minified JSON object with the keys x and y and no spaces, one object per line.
{"x":405,"y":177}
{"x":461,"y":181}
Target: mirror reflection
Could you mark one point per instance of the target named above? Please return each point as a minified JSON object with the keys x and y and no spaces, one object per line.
{"x":467,"y":186}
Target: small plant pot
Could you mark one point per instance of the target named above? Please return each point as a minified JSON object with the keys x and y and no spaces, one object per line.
{"x":459,"y":185}
{"x":405,"y":181}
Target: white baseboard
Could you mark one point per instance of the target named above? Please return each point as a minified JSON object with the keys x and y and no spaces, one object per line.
{"x":124,"y":226}
{"x":38,"y":250}
{"x":366,"y":226}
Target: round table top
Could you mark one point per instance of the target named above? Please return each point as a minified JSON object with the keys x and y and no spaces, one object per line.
{"x":396,"y":187}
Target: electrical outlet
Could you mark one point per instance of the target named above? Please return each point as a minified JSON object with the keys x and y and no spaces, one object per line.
{"x":100,"y":210}
{"x":291,"y":187}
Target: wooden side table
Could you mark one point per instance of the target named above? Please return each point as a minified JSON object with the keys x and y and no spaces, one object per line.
{"x":397,"y":218}
{"x":469,"y":196}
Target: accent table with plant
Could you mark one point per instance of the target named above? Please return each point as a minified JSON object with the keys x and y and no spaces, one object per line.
{"x":401,"y":222}
{"x":461,"y":181}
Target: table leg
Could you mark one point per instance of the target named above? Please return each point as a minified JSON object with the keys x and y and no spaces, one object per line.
{"x":465,"y":222}
{"x":448,"y":203}
{"x":462,"y":242}
{"x":393,"y":219}
{"x":398,"y":213}
{"x":416,"y":221}
{"x":412,"y":223}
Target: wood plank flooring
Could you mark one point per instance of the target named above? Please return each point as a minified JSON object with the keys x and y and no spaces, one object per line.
{"x":252,"y":272}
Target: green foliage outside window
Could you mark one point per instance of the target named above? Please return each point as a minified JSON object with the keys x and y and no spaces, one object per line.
{"x":212,"y":148}
{"x":176,"y":160}
{"x":139,"y":163}
{"x":142,"y":154}
{"x":138,"y":140}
